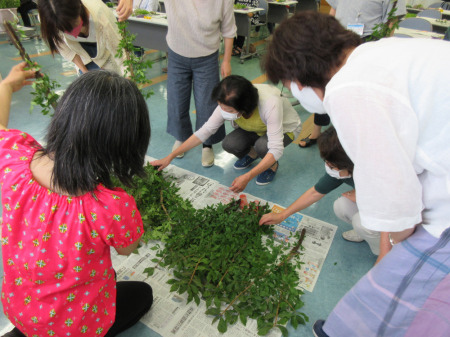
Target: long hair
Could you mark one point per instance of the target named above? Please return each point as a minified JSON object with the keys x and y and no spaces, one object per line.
{"x":101,"y":127}
{"x":306,"y":48}
{"x":332,"y":151}
{"x":59,"y":16}
{"x":237,"y":92}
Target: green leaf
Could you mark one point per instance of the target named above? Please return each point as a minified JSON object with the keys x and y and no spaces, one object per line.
{"x":222,"y":327}
{"x":243,"y":318}
{"x":283,"y":330}
{"x":149,"y":271}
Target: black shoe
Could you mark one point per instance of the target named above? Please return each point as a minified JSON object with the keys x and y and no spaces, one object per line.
{"x":308,"y":142}
{"x":317,"y":328}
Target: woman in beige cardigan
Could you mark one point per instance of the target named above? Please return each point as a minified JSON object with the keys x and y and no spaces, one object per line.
{"x":83,"y":32}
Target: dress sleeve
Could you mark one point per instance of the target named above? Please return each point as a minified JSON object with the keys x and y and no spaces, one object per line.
{"x":15,"y":148}
{"x":379,"y":132}
{"x":121,"y":224}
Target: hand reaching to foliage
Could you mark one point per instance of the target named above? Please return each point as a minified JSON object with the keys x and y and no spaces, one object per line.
{"x":240,"y":183}
{"x":161,"y":164}
{"x":19,"y":77}
{"x":271,"y":219}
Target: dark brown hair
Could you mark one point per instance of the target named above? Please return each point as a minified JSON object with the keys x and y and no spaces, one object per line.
{"x":332,"y":151}
{"x":306,"y":48}
{"x":59,"y":16}
{"x":237,"y":92}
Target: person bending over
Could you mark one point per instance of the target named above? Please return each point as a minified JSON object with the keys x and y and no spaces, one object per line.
{"x":264,"y":124}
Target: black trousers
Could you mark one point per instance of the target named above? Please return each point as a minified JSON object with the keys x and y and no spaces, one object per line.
{"x":23,"y":9}
{"x":134,"y":299}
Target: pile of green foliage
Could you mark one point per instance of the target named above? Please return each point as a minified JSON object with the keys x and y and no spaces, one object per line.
{"x":222,"y":255}
{"x":9,"y":3}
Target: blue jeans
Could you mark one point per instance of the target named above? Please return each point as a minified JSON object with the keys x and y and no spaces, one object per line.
{"x":184,"y":73}
{"x":91,"y":49}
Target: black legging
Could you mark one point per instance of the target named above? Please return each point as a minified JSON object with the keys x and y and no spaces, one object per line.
{"x":134,"y":299}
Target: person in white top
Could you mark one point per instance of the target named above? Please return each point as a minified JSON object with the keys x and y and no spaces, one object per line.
{"x":264,"y":124}
{"x":83,"y":32}
{"x":389,"y":102}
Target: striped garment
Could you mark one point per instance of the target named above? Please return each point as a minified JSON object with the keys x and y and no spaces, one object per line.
{"x":406,"y":294}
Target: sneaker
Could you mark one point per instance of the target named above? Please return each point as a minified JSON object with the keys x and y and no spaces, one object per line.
{"x":352,"y":236}
{"x":244,"y":162}
{"x":176,"y":146}
{"x":318,"y":328}
{"x":207,"y":157}
{"x":266,"y":177}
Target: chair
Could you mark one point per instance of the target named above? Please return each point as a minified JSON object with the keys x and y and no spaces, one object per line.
{"x":445,"y":6}
{"x":436,"y":5}
{"x":416,"y":23}
{"x":402,"y":35}
{"x":430,"y":13}
{"x":306,"y":5}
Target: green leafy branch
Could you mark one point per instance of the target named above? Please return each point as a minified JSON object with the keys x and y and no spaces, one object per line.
{"x":44,"y":88}
{"x":135,"y":68}
{"x":385,"y":29}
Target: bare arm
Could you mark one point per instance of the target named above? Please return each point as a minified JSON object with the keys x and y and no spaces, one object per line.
{"x":128,"y":249}
{"x":397,"y":237}
{"x":79,"y":63}
{"x":17,"y":78}
{"x":225,"y":69}
{"x":304,"y":201}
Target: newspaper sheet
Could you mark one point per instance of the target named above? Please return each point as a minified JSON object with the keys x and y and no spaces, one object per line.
{"x":170,"y":314}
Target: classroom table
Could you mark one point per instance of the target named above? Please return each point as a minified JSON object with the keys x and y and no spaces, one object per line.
{"x":445,"y":13}
{"x":277,"y":11}
{"x":439,"y":26}
{"x":419,"y":33}
{"x":150,"y":33}
{"x":243,"y":25}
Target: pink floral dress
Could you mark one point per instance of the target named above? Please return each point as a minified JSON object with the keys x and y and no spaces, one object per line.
{"x":58,"y":278}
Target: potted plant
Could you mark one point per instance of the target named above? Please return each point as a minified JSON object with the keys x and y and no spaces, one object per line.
{"x":8,"y":11}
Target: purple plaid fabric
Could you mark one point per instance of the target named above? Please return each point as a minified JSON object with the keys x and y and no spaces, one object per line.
{"x":406,"y":294}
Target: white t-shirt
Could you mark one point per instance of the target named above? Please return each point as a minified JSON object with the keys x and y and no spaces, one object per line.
{"x":275,"y":111}
{"x":390,"y":105}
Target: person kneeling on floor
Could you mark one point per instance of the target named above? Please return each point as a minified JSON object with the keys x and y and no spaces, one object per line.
{"x":265,"y":123}
{"x":339,"y":169}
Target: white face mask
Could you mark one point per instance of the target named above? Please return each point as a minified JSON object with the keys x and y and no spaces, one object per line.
{"x":229,"y":116}
{"x":334,"y":173}
{"x":308,"y":99}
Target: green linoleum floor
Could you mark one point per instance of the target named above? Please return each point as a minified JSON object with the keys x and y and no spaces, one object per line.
{"x":299,"y":170}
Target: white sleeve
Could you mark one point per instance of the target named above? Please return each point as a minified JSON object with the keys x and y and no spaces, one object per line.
{"x":211,"y":126}
{"x":271,"y":112}
{"x":379,"y":132}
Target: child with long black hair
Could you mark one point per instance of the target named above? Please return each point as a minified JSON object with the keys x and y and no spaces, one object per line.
{"x":61,"y":213}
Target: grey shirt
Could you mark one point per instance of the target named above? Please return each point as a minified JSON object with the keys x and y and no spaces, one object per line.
{"x":367,"y":12}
